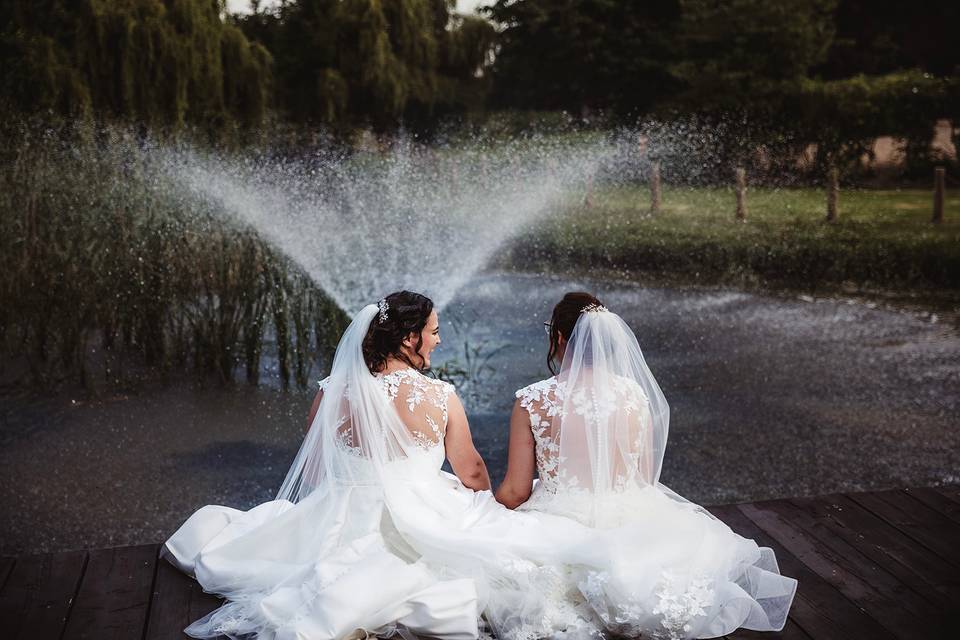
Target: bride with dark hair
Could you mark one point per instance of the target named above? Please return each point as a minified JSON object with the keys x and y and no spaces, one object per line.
{"x":595,"y":434}
{"x":367,"y":535}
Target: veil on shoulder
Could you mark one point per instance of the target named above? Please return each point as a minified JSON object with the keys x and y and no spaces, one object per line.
{"x":356,"y":433}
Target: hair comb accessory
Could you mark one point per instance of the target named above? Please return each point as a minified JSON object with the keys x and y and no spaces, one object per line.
{"x":594,"y":308}
{"x":383,"y":306}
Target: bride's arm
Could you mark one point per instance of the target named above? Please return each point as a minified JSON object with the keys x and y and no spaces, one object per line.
{"x":463,"y":456}
{"x":521,"y":461}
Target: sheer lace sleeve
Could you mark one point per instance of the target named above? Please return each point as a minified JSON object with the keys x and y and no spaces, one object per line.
{"x":542,"y":402}
{"x":421,"y":403}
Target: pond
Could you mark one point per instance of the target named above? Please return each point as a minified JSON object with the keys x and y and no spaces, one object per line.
{"x":771,"y":396}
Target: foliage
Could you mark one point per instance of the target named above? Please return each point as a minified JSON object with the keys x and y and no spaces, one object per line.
{"x":789,"y":73}
{"x":845,"y":116}
{"x":882,"y":239}
{"x":736,"y":55}
{"x":358,"y":62}
{"x":157,"y":63}
{"x":877,"y":37}
{"x":584,"y":54}
{"x":108,"y":273}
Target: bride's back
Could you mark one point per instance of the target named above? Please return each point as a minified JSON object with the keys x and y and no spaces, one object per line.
{"x":589,"y":437}
{"x":420,"y":402}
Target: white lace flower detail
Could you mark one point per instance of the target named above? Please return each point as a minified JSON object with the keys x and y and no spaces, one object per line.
{"x":597,"y":407}
{"x":422,"y":396}
{"x":414,"y":397}
{"x":678,"y":605}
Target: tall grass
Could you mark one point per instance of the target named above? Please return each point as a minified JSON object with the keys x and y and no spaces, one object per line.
{"x":108,"y":273}
{"x":882,"y":239}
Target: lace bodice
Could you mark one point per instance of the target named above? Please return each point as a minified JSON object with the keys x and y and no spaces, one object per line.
{"x":623,"y":402}
{"x":421,"y":403}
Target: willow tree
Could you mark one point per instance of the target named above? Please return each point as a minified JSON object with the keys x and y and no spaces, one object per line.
{"x":347,"y":62}
{"x":161,"y":63}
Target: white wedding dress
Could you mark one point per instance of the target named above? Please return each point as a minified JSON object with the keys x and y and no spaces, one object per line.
{"x":358,"y":574}
{"x":368,"y":536}
{"x":655,"y":564}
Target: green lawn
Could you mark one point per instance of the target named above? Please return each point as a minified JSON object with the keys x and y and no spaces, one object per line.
{"x":881,"y":239}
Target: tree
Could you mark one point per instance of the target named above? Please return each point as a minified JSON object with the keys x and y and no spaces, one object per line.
{"x":743,"y":55}
{"x":348,"y":62}
{"x":158,"y":63}
{"x":576,"y":54}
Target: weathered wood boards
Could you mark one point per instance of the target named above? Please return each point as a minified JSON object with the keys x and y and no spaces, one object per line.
{"x":871,"y":566}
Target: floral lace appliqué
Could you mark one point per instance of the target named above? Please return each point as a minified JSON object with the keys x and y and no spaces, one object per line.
{"x":545,"y":402}
{"x":678,"y":606}
{"x":417,"y":389}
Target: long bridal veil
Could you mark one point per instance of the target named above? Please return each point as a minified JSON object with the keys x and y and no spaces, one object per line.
{"x":289,"y":565}
{"x":612,"y":429}
{"x":670,"y":566}
{"x":366,"y":531}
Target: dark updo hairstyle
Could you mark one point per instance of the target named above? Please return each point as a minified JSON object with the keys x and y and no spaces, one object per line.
{"x":565,"y":316}
{"x":407,"y":313}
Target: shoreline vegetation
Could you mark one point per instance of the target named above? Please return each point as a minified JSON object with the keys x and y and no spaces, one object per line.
{"x":107,"y":274}
{"x":881,"y":246}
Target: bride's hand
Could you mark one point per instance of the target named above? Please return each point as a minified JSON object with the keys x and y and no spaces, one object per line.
{"x":463,"y":456}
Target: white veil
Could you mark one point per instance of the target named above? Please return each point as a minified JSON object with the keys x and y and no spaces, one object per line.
{"x":356,"y":432}
{"x":613,"y":428}
{"x":603,"y":428}
{"x":365,"y":497}
{"x":607,"y":422}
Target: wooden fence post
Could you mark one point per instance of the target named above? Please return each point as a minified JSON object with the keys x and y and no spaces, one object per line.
{"x":939,"y":178}
{"x":741,"y":193}
{"x":833,"y":193}
{"x":655,"y":188}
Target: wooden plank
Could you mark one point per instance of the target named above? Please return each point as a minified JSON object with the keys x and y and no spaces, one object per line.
{"x":865,"y":584}
{"x":36,"y":599}
{"x":892,"y":598}
{"x":115,"y":594}
{"x":177,"y":601}
{"x":6,"y":567}
{"x":912,"y":563}
{"x":791,"y":631}
{"x":819,"y":609}
{"x":951,"y":491}
{"x":936,"y":501}
{"x":917,"y":520}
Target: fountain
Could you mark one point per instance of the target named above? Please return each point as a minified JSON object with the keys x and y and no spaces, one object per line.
{"x":411,"y":218}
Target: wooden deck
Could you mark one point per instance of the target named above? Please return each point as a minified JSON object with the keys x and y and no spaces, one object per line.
{"x":870,"y":565}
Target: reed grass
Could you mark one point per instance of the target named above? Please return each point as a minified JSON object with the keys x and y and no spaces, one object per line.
{"x":108,"y":275}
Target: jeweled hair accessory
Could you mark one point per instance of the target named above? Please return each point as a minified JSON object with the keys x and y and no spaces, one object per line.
{"x":593,"y":307}
{"x":383,"y":306}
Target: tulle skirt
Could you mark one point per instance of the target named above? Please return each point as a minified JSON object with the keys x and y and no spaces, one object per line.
{"x":655,"y":565}
{"x":428,"y":558}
